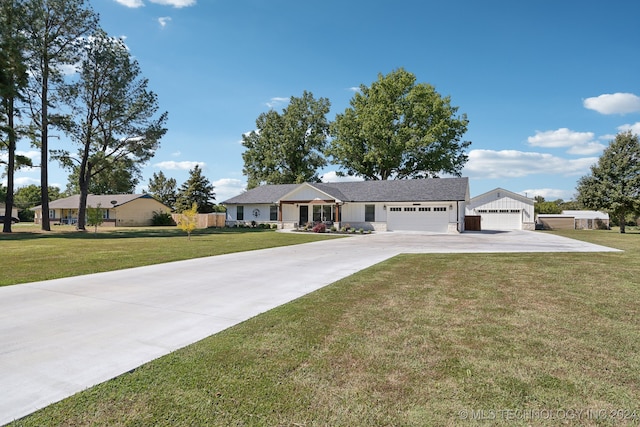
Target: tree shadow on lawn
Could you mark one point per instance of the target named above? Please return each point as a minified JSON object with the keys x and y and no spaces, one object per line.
{"x":123,"y":233}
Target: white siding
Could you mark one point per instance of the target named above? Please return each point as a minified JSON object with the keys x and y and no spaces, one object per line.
{"x":502,"y":210}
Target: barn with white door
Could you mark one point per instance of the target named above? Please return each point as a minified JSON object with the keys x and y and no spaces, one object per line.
{"x":501,"y":209}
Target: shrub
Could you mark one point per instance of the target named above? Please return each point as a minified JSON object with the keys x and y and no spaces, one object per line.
{"x":162,"y":218}
{"x":274,"y":226}
{"x":319,"y":228}
{"x":333,"y":228}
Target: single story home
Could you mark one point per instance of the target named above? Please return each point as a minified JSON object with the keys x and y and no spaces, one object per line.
{"x":121,"y":210}
{"x":433,"y":204}
{"x":3,"y":208}
{"x":500,"y":209}
{"x":574,"y":220}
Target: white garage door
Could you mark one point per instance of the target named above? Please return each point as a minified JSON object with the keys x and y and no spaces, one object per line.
{"x":502,"y":220}
{"x":418,"y":218}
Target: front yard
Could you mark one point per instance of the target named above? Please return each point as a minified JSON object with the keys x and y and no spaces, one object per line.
{"x":30,"y":255}
{"x":418,"y":340}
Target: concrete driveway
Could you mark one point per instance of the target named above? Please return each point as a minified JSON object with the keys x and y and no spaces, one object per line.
{"x":61,"y":336}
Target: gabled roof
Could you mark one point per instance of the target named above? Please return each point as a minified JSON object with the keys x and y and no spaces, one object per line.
{"x":406,"y":190}
{"x":263,"y":194}
{"x":504,"y":193}
{"x":105,"y":201}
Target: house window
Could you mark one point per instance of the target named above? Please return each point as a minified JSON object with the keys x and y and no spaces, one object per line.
{"x":323,"y":213}
{"x":273,"y":213}
{"x":105,"y":213}
{"x":52,"y":213}
{"x":240,"y":213}
{"x":370,"y":213}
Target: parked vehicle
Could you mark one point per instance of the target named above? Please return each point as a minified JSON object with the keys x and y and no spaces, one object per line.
{"x":13,"y":219}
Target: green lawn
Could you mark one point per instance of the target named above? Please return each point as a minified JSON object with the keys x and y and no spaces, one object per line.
{"x":30,"y":255}
{"x":418,"y":340}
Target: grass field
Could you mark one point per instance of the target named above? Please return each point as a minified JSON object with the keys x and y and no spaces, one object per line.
{"x":418,"y":340}
{"x":30,"y":255}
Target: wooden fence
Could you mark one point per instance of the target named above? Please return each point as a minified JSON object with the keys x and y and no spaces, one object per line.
{"x":207,"y":220}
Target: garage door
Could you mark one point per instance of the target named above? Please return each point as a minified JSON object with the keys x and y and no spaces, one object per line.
{"x":502,"y":220}
{"x":418,"y":218}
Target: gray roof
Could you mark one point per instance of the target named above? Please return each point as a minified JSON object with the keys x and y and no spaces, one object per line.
{"x":104,"y":200}
{"x":405,"y":190}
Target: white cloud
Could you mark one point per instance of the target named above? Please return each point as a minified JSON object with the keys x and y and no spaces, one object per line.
{"x":227,"y":188}
{"x":175,"y":3}
{"x":276,"y":101}
{"x":163,"y":21}
{"x":635,"y":128}
{"x":614,"y":103}
{"x":549,"y":194}
{"x":586,"y":149}
{"x":171,"y":165}
{"x":24,"y":181}
{"x":332,"y":176}
{"x":176,"y":154}
{"x":131,"y":3}
{"x":579,"y":143}
{"x":515,"y":164}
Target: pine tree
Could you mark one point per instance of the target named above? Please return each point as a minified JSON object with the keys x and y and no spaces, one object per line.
{"x":197,"y":189}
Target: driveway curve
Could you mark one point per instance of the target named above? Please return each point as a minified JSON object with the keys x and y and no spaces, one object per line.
{"x":62,"y":336}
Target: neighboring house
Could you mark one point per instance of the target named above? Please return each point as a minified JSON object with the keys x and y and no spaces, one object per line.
{"x":121,"y":210}
{"x":14,"y":211}
{"x":500,"y":209}
{"x":574,"y":220}
{"x":435,"y":204}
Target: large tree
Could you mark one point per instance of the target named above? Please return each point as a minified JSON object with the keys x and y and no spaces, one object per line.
{"x":114,"y":114}
{"x":13,"y":81}
{"x":121,"y":177}
{"x":288,"y":147}
{"x":55,"y":29}
{"x":164,"y":190}
{"x":399,"y":129}
{"x":614,"y":182}
{"x":197,"y":189}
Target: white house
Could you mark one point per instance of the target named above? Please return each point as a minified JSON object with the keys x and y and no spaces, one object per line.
{"x":500,"y":209}
{"x":435,"y":204}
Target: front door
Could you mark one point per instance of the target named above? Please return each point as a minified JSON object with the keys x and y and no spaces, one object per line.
{"x":304,"y":215}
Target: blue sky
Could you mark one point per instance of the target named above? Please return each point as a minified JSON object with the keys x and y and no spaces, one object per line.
{"x":545,"y":84}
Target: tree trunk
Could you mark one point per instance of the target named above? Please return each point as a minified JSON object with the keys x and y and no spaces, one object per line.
{"x":44,"y":149}
{"x":81,"y":225}
{"x":622,"y":222}
{"x":11,"y":162}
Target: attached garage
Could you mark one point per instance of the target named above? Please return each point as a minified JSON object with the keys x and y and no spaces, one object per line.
{"x":501,"y":209}
{"x":418,"y":218}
